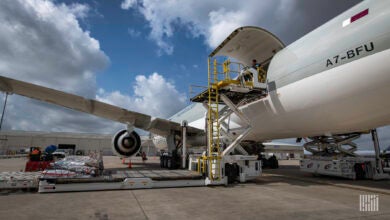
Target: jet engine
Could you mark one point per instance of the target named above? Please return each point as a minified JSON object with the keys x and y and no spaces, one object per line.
{"x":126,"y":143}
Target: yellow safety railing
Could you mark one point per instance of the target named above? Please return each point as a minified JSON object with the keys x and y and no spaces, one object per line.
{"x":211,"y":160}
{"x":213,"y":125}
{"x":229,"y":68}
{"x":219,"y":75}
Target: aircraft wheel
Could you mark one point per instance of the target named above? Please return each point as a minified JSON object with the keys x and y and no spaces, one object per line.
{"x":162,"y":161}
{"x":273,"y":163}
{"x":173,"y":163}
{"x":231,"y":171}
{"x":165,"y":162}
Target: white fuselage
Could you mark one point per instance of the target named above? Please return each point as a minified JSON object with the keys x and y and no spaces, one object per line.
{"x":349,"y":98}
{"x":333,"y":80}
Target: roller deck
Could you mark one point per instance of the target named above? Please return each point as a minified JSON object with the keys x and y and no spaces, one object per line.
{"x":111,"y":179}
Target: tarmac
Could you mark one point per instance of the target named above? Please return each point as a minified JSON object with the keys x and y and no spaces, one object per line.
{"x":284,"y":193}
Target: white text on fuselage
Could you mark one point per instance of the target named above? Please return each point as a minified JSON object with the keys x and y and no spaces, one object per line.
{"x":358,"y":51}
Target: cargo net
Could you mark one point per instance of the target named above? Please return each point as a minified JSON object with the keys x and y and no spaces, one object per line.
{"x":76,"y":167}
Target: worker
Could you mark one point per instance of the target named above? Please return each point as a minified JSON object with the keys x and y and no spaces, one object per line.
{"x":248,"y":75}
{"x":260,"y":70}
{"x":35,"y":151}
{"x":35,"y":155}
{"x":255,"y":65}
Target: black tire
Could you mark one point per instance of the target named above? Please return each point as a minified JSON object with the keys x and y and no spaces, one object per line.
{"x":165,"y":162}
{"x":169,"y":163}
{"x":231,"y":172}
{"x":273,"y":163}
{"x":173,"y":164}
{"x":264,"y":163}
{"x":162,"y":161}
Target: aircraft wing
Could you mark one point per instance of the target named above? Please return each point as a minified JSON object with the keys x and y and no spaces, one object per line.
{"x":145,"y":122}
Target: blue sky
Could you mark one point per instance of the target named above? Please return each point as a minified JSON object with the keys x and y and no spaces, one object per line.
{"x":134,"y":54}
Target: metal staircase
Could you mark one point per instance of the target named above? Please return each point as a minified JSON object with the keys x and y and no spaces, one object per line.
{"x":221,"y":138}
{"x":213,"y":124}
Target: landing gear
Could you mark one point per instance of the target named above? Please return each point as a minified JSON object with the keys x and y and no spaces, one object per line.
{"x":273,"y":162}
{"x":170,"y":161}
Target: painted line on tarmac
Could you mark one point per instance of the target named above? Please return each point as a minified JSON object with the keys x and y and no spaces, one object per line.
{"x":139,"y":204}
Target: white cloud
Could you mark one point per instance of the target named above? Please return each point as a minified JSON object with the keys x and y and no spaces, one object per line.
{"x":42,"y":42}
{"x":78,"y":10}
{"x":214,"y":20}
{"x":127,"y":4}
{"x":153,"y":95}
{"x":222,"y":23}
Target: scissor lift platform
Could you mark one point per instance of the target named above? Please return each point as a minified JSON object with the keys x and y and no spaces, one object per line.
{"x":235,"y":96}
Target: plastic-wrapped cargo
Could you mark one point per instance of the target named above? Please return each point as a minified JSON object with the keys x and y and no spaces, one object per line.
{"x":58,"y":173}
{"x":81,"y":165}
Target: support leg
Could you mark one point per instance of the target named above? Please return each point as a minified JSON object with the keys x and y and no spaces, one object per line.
{"x":374,"y":135}
{"x":379,"y":174}
{"x":184,"y":144}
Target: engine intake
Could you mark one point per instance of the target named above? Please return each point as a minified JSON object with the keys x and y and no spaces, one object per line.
{"x":125,"y":143}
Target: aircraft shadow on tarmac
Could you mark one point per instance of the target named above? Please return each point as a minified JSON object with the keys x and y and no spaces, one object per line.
{"x":293,"y":176}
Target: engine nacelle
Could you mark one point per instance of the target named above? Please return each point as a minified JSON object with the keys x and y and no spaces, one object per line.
{"x":125,"y":143}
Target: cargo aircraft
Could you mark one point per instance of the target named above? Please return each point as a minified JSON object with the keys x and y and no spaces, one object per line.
{"x":330,"y":86}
